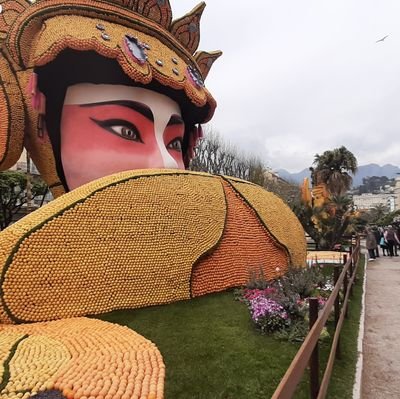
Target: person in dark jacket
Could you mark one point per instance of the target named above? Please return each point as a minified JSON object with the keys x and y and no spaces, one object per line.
{"x":377,"y":235}
{"x":370,"y":243}
{"x":391,"y":239}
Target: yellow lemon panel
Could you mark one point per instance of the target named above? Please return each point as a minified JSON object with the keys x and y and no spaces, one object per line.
{"x":12,"y":116}
{"x":80,"y":358}
{"x":35,"y":362}
{"x":125,"y":241}
{"x":8,"y":339}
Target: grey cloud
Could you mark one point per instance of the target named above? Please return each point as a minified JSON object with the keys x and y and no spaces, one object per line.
{"x":298,"y":78}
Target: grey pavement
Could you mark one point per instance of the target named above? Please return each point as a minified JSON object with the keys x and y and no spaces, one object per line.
{"x":381,"y":344}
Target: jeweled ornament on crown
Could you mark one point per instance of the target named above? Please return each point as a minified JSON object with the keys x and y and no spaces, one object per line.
{"x":136,"y":49}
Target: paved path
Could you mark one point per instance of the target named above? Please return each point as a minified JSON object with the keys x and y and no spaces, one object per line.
{"x":381,"y":346}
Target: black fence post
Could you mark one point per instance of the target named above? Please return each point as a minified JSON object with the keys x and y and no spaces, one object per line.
{"x":336,"y":273}
{"x":314,"y":359}
{"x":357,"y":257}
{"x":345,"y":284}
{"x":351,"y":269}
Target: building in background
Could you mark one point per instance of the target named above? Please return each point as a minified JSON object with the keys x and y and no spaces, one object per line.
{"x":369,"y":201}
{"x":397,"y":193}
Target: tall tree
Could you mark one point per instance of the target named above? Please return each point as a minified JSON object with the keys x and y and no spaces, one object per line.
{"x":13,"y":194}
{"x":373,"y":184}
{"x":334,"y":169}
{"x":215,"y":156}
{"x":327,"y":224}
{"x":331,"y":214}
{"x":377,"y":213}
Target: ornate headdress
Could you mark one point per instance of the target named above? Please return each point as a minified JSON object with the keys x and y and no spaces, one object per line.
{"x":139,"y":35}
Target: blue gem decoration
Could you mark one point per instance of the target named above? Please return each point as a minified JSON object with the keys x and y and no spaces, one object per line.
{"x":136,"y":49}
{"x":195,"y":76}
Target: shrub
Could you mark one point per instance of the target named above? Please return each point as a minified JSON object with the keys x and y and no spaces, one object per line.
{"x":281,"y":306}
{"x":302,"y":281}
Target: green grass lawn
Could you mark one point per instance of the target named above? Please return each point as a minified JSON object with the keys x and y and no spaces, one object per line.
{"x":212,"y":350}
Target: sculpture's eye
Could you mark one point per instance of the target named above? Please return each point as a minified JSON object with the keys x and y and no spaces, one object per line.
{"x":175,"y":144}
{"x":127,"y":132}
{"x":120,"y":127}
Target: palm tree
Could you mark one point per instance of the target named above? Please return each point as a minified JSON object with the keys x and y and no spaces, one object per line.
{"x":333,"y":168}
{"x":377,"y":213}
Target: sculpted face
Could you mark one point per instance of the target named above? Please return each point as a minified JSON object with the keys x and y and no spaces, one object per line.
{"x":111,"y":128}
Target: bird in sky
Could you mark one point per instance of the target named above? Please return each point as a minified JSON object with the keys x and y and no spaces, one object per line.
{"x":381,"y":40}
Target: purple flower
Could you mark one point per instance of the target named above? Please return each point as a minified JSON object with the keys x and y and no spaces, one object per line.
{"x":263,"y":307}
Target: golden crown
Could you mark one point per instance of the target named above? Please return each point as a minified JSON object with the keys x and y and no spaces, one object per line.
{"x":185,"y":30}
{"x":139,"y":34}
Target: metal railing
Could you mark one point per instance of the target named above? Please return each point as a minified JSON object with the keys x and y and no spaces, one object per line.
{"x":308,"y":354}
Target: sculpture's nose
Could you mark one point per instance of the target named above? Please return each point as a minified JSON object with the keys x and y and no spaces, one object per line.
{"x":163,"y":159}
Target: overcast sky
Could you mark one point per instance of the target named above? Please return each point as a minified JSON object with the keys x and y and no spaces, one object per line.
{"x":299,"y":77}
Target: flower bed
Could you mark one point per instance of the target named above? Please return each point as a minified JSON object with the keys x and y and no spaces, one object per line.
{"x":281,"y":307}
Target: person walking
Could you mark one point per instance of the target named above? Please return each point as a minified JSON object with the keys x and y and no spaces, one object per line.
{"x":383,"y":245}
{"x":370,"y":243}
{"x":377,"y":235}
{"x":391,"y":239}
{"x":397,"y":236}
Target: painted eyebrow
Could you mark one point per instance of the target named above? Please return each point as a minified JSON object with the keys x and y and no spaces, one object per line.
{"x":175,"y":120}
{"x":138,"y":107}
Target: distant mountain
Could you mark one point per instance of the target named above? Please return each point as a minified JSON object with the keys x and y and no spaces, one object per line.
{"x":369,"y":170}
{"x":372,"y":169}
{"x":293,"y":177}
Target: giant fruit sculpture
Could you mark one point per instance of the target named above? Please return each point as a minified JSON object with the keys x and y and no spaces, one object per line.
{"x":95,"y":89}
